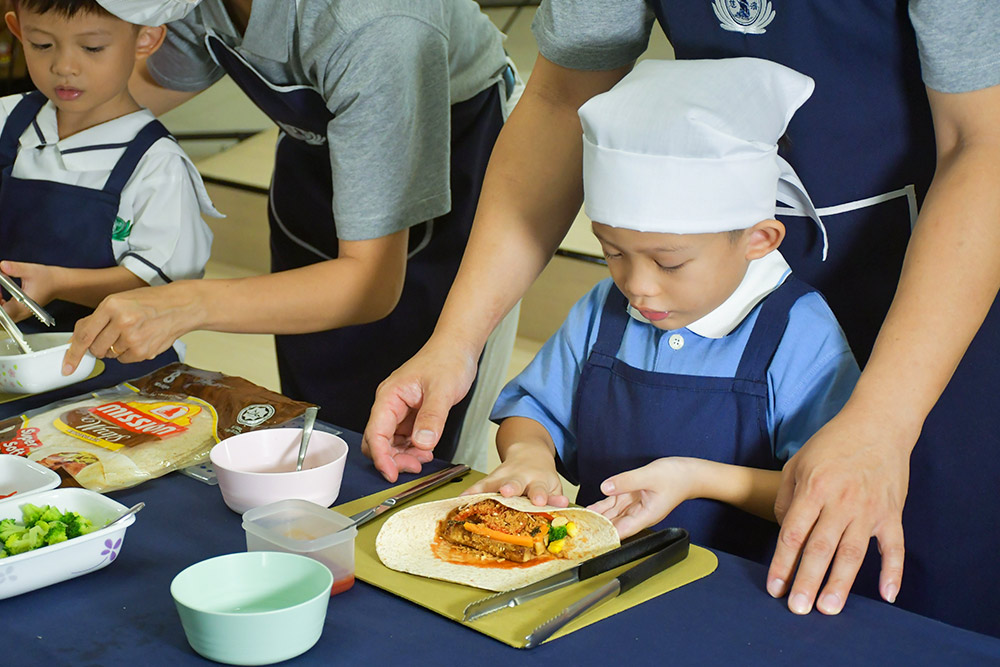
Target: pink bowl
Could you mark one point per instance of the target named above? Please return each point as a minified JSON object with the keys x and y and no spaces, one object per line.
{"x":258,"y":468}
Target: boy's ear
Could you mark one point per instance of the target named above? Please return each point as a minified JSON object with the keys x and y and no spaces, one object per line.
{"x":149,"y":40}
{"x":764,"y":237}
{"x":13,"y":25}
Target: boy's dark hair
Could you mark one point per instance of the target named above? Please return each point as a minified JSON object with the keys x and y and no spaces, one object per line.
{"x":67,"y":8}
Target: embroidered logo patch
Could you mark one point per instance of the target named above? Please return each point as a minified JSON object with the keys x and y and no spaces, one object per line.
{"x":747,"y":16}
{"x":121,"y":230}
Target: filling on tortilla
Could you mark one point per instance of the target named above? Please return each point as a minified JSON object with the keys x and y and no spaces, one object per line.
{"x":503,"y":532}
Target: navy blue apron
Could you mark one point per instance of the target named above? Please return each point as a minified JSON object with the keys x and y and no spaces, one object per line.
{"x":866,"y":134}
{"x":627,"y":417}
{"x":58,"y":224}
{"x":341,"y":369}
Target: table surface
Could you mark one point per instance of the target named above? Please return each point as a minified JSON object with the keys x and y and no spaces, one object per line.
{"x":123,"y":614}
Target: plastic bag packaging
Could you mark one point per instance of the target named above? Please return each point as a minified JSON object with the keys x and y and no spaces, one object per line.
{"x":124,"y":435}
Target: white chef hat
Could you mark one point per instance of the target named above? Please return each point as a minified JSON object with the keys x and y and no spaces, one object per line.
{"x":690,"y":146}
{"x":149,"y":12}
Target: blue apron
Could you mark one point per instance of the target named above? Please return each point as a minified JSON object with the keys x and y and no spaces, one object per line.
{"x":627,"y":417}
{"x":58,"y":224}
{"x":341,"y":369}
{"x":864,"y":147}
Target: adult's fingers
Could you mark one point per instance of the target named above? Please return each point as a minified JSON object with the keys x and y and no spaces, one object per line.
{"x":84,"y":333}
{"x":846,"y":563}
{"x":795,"y":529}
{"x":890,"y":542}
{"x":431,"y":416}
{"x":816,"y":555}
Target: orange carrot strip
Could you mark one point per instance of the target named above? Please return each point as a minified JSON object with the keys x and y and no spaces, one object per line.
{"x":520,"y":540}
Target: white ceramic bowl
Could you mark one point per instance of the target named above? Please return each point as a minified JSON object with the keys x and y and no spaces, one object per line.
{"x":253,"y":608}
{"x":65,"y":560}
{"x":19,"y":477}
{"x":258,"y":468}
{"x":40,"y":370}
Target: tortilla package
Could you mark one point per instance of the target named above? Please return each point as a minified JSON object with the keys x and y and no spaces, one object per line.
{"x":124,"y":435}
{"x":474,"y":540}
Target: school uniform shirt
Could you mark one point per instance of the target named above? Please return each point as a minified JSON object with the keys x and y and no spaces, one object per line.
{"x":809,"y":380}
{"x":159,"y":234}
{"x":389,"y":71}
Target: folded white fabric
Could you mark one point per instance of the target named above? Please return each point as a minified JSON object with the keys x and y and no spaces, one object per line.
{"x":690,"y":146}
{"x":149,"y":12}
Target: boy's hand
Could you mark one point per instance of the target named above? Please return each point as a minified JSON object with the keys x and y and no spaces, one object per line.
{"x":645,"y":496}
{"x":525,"y":473}
{"x":37,"y":281}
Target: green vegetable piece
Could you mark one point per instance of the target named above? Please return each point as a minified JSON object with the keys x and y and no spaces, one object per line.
{"x":556,"y":533}
{"x":50,"y":514}
{"x":33,"y":538}
{"x":7,"y":528}
{"x":56,"y":533}
{"x":32,"y":513}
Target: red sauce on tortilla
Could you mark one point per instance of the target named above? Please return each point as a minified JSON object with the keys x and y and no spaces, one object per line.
{"x":460,"y":555}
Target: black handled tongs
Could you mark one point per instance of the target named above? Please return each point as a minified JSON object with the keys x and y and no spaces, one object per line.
{"x":8,"y":324}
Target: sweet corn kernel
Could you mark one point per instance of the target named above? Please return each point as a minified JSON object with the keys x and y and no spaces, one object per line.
{"x":571,"y":529}
{"x":556,"y":546}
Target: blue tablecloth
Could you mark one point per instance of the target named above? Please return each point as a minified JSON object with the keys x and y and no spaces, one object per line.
{"x":124,"y":615}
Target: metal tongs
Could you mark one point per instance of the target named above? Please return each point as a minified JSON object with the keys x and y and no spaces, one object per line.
{"x":8,"y":324}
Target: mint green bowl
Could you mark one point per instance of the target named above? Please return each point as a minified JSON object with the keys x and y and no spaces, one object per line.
{"x":253,"y":608}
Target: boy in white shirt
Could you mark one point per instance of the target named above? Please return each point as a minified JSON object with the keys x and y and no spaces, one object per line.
{"x":95,"y":196}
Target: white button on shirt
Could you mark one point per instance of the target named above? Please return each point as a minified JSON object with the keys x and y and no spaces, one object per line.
{"x":163,"y":200}
{"x":676,"y":341}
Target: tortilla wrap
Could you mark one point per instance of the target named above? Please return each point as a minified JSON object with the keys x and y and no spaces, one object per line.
{"x":405,"y":543}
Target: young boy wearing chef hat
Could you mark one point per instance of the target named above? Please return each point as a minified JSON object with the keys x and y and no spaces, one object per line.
{"x":96,"y":197}
{"x":681,"y":385}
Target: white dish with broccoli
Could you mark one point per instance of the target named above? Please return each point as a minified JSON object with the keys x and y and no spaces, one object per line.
{"x":56,"y":535}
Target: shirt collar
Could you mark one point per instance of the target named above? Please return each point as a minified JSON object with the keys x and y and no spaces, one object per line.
{"x":82,"y":151}
{"x":762,"y":277}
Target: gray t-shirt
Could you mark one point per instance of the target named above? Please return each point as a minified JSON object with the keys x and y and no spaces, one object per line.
{"x":389,"y":70}
{"x":959,"y":40}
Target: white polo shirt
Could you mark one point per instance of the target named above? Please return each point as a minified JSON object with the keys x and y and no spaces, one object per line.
{"x":159,"y":235}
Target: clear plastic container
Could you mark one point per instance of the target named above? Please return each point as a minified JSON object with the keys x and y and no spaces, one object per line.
{"x":302,"y":527}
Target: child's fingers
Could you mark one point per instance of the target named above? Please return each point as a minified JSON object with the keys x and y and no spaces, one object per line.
{"x":630,"y":482}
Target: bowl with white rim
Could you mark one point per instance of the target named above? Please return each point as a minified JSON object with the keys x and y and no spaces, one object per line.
{"x":257,"y":468}
{"x":41,"y":369}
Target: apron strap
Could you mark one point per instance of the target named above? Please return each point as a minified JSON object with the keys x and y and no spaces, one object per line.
{"x":17,"y":122}
{"x":147,"y":136}
{"x":614,"y":318}
{"x":769,"y":328}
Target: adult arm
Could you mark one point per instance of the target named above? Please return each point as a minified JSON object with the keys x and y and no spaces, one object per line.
{"x":849,"y":482}
{"x":150,"y":94}
{"x":362,"y":285}
{"x":531,"y":193}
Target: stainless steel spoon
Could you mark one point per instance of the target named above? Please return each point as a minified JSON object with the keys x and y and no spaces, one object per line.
{"x":307,"y":430}
{"x":131,"y":510}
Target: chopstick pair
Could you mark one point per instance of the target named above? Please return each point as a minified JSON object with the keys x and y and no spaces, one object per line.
{"x":664,"y":548}
{"x":8,"y":323}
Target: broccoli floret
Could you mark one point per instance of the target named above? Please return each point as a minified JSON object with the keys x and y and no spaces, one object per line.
{"x":56,"y":533}
{"x":32,"y":513}
{"x":77,"y":525}
{"x":30,"y":539}
{"x":7,"y":528}
{"x":3,"y":553}
{"x":50,"y":514}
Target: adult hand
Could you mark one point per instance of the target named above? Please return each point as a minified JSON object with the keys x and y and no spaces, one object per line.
{"x":525,"y":471}
{"x":645,"y":496}
{"x":411,"y":407}
{"x":37,"y":281}
{"x":138,"y":324}
{"x":847,"y":484}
